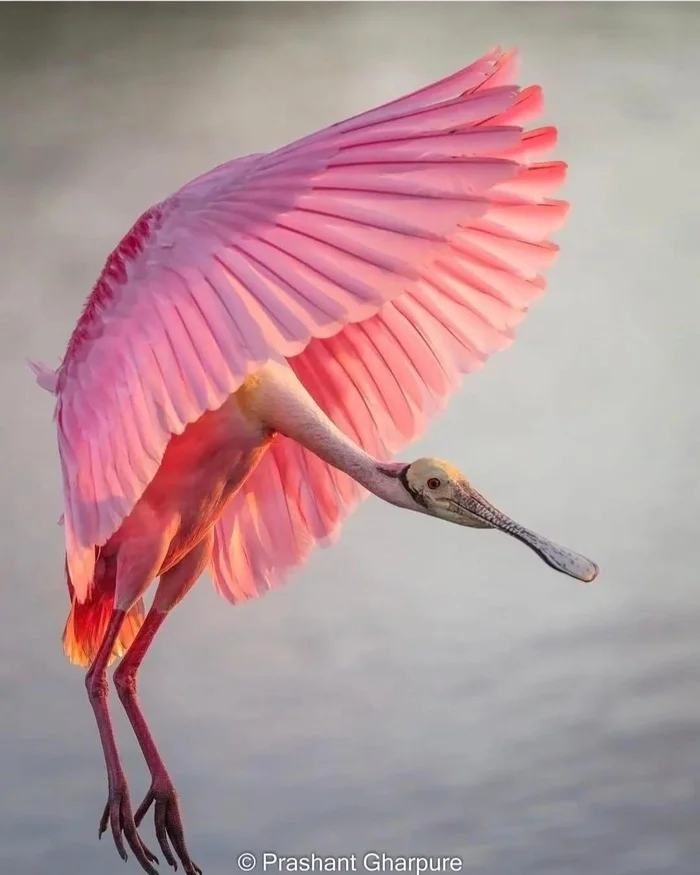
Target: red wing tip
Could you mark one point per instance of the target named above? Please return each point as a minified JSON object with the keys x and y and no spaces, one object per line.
{"x":561,"y":206}
{"x":532,"y":94}
{"x":548,"y":131}
{"x":503,"y":66}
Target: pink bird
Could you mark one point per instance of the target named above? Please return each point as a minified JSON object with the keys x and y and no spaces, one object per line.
{"x":261,"y":345}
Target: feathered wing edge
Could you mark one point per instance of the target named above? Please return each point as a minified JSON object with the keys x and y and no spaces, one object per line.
{"x":240,"y":253}
{"x":380,"y":380}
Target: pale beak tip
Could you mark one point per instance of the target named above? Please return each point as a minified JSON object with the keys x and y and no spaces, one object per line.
{"x":590,"y":573}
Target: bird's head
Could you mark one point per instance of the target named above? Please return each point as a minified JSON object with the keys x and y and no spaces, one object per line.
{"x":437,"y":488}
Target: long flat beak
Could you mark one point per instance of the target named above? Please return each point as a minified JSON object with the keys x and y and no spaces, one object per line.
{"x":560,"y":558}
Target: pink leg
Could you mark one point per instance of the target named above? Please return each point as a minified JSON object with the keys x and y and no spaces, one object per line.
{"x":173,"y":586}
{"x":118,"y":808}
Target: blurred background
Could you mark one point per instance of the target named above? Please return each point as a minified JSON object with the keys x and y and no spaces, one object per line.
{"x":420,"y":688}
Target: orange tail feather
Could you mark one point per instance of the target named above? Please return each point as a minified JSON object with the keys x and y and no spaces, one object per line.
{"x":87,"y":623}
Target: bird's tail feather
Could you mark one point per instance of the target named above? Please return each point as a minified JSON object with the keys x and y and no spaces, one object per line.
{"x":87,"y":623}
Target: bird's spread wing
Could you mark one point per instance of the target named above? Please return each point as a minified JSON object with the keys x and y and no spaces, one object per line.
{"x":427,"y":210}
{"x":380,"y":380}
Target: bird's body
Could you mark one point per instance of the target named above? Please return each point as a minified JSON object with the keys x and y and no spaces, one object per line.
{"x":200,"y":472}
{"x":259,"y":347}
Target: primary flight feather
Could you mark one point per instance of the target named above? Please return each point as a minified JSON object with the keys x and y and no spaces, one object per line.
{"x":259,"y":347}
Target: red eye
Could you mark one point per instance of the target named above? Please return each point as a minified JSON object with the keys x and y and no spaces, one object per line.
{"x":433,"y":483}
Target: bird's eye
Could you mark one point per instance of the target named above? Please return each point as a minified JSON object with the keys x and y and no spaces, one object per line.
{"x":433,"y":483}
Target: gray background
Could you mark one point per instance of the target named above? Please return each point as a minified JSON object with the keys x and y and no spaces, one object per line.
{"x":419,"y":688}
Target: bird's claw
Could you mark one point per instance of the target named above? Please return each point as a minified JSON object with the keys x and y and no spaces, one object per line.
{"x":118,"y":815}
{"x":168,"y":824}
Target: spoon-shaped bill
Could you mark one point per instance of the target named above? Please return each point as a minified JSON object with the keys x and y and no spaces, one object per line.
{"x":558,"y":557}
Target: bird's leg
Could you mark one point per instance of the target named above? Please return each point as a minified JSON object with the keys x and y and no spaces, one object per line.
{"x":174,"y":585}
{"x":168,"y":821}
{"x":118,"y":808}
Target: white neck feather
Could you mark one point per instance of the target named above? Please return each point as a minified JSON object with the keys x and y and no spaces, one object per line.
{"x":282,"y":403}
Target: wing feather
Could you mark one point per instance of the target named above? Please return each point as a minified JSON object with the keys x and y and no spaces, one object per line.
{"x":383,"y":256}
{"x":381,"y":379}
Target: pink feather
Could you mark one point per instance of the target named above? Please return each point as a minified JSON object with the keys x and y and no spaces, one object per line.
{"x":383,"y":257}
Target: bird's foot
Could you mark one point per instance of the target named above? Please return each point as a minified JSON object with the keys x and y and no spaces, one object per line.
{"x":119,"y":816}
{"x":168,"y":822}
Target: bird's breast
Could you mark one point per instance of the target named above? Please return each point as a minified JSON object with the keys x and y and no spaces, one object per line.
{"x":201,"y":471}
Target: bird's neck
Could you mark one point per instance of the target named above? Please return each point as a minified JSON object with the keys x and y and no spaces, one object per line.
{"x":279,"y":400}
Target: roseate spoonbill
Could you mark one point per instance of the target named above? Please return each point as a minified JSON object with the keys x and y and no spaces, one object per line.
{"x":258,"y":348}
